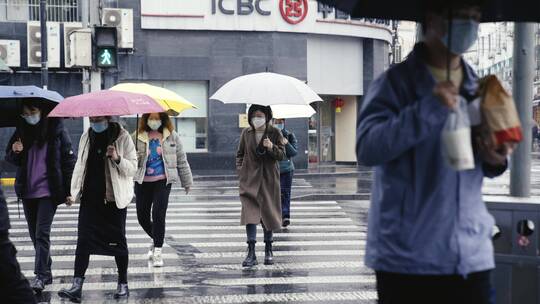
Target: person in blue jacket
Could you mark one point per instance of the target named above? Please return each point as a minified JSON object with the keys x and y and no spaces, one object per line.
{"x":286,"y":170}
{"x":429,"y":231}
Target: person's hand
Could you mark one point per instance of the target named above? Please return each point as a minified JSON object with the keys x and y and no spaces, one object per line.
{"x":17,"y":146}
{"x":495,"y":156}
{"x":188,"y":189}
{"x":447,"y":93}
{"x":69,"y":201}
{"x":285,"y":141}
{"x":111,"y":153}
{"x":267,"y":143}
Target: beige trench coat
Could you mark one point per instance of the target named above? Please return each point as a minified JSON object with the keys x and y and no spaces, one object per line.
{"x":259,"y":179}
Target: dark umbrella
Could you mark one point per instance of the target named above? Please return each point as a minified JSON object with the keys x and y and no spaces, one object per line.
{"x":11,"y":98}
{"x":414,"y":10}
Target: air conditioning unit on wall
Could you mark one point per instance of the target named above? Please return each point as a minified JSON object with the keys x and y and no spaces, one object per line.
{"x":10,"y":52}
{"x":34,"y":44}
{"x":122,"y":19}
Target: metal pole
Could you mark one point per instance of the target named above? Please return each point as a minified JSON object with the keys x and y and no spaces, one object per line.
{"x":520,"y":175}
{"x":43,"y":33}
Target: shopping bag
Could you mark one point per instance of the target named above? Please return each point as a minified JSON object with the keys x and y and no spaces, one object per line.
{"x":500,"y":120}
{"x":456,"y":137}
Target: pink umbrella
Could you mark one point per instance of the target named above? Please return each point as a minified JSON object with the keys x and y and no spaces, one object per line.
{"x":106,"y":103}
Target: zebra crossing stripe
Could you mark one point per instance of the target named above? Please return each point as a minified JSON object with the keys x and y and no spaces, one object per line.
{"x":219,"y":244}
{"x":133,"y":271}
{"x":218,"y":255}
{"x":71,"y":258}
{"x":359,"y":297}
{"x":362,"y":279}
{"x":211,"y":203}
{"x":277,"y":235}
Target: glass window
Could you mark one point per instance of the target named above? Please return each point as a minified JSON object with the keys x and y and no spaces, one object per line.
{"x":191,"y":125}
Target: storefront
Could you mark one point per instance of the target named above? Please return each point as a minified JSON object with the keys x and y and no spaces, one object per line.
{"x":194,"y":47}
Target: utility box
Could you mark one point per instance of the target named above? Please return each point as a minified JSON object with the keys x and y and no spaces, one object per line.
{"x":517,"y":250}
{"x":78,"y":52}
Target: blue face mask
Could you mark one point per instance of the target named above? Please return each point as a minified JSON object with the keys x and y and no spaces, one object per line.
{"x":99,"y":127}
{"x":280,"y":126}
{"x":32,"y":119}
{"x":464,"y":34}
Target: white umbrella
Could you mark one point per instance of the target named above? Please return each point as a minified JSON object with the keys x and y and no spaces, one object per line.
{"x":266,"y":89}
{"x":292,"y":111}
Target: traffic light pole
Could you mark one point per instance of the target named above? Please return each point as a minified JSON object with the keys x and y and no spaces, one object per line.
{"x":43,"y":39}
{"x":520,"y":170}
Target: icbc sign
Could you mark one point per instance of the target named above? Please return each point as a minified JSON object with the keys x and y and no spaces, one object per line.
{"x":293,"y":11}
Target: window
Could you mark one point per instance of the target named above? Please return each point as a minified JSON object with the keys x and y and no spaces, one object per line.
{"x":191,"y":125}
{"x":28,"y":10}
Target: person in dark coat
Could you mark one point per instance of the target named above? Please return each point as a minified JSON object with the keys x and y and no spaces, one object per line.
{"x":14,"y":287}
{"x":286,"y":170}
{"x":260,"y":150}
{"x":41,"y":149}
{"x":103,"y":185}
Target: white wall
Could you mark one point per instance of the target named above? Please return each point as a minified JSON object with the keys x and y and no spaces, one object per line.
{"x":346,"y":131}
{"x":334,"y":65}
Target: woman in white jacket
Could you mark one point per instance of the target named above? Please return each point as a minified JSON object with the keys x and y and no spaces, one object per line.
{"x":162,"y":162}
{"x":103,"y":185}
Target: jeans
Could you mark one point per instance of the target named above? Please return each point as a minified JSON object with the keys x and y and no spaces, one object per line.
{"x":14,"y":287}
{"x":152,"y":202}
{"x":251,"y":231}
{"x":394,"y":288}
{"x":286,"y":185}
{"x":82,"y":261}
{"x":39,"y":215}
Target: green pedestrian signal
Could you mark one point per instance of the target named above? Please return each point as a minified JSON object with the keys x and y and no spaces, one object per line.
{"x":106,"y":48}
{"x":106,"y":57}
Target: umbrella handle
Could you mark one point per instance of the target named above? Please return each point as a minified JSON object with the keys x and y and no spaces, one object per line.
{"x":448,"y":53}
{"x":137,"y":134}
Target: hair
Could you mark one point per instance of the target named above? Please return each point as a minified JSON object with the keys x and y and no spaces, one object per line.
{"x":165,"y":122}
{"x":441,"y":7}
{"x":39,"y":133}
{"x":266,"y":110}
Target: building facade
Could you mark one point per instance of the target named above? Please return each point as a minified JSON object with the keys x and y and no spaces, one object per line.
{"x":194,"y":47}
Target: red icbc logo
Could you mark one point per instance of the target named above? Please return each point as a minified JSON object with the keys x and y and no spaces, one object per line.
{"x":293,"y":11}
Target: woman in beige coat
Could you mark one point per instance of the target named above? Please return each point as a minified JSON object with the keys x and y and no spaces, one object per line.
{"x":257,"y":159}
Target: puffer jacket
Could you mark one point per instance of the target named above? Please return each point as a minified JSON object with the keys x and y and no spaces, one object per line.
{"x":177,"y":168}
{"x":121,"y":173}
{"x":60,"y":162}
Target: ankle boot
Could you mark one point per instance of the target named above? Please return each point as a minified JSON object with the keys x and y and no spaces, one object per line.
{"x":251,"y":259}
{"x":122,"y":291}
{"x":268,"y":253}
{"x":75,"y":292}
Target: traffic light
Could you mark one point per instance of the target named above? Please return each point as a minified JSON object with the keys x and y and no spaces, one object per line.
{"x":106,"y":48}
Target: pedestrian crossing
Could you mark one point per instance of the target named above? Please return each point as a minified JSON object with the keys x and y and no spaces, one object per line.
{"x":319,"y":258}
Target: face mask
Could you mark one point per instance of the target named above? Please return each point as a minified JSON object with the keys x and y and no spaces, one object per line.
{"x":99,"y":127}
{"x":280,"y":126}
{"x":33,"y":119}
{"x":154,"y":124}
{"x":464,"y":34}
{"x":258,"y":122}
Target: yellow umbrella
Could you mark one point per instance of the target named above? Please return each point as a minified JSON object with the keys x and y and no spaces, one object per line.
{"x":171,"y":102}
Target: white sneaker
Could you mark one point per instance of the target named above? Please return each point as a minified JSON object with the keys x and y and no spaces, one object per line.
{"x":151,"y":251}
{"x":158,"y":259}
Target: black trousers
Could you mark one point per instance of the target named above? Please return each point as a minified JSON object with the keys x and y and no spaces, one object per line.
{"x":39,"y":214}
{"x":476,"y":288}
{"x":152,"y":202}
{"x":14,"y":287}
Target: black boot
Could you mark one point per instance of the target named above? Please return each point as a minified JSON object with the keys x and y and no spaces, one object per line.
{"x":251,"y":259}
{"x":75,"y":292}
{"x":268,"y":253}
{"x":122,"y":291}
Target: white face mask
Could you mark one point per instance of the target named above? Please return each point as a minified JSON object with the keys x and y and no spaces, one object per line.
{"x":258,"y":122}
{"x":154,"y":124}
